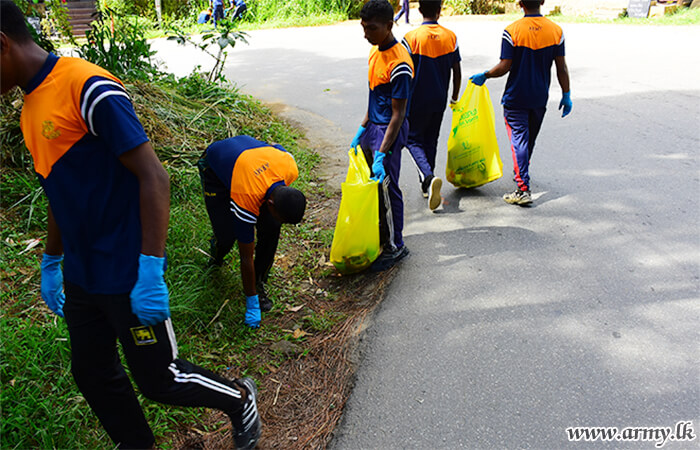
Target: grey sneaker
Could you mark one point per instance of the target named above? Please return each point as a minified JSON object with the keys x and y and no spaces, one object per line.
{"x":518,"y":197}
{"x":246,"y":422}
{"x":434,"y":198}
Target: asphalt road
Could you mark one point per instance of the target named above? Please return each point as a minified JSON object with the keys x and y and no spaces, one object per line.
{"x":506,"y":325}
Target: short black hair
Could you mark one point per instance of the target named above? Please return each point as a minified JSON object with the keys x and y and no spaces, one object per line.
{"x":289,"y":203}
{"x":377,"y":9}
{"x":531,"y":4}
{"x":13,"y":22}
{"x":430,"y":8}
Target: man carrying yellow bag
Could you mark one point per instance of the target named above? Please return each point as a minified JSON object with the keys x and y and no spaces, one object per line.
{"x":528,"y":48}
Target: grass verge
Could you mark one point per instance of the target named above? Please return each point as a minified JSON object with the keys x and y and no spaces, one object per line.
{"x":299,"y":357}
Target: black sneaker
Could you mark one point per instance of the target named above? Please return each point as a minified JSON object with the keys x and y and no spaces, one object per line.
{"x":425,"y":185}
{"x":263,"y":299}
{"x":388,"y":258}
{"x":246,"y":422}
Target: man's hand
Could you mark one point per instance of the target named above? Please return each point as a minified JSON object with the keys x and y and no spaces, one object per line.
{"x":479,"y":79}
{"x":566,"y":104}
{"x":149,"y":297}
{"x":52,"y":283}
{"x":252,"y":311}
{"x":356,"y":140}
{"x":378,"y":166}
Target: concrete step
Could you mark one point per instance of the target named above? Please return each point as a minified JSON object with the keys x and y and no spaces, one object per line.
{"x":81,"y":13}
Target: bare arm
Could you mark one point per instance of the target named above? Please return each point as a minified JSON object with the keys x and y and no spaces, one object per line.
{"x":562,"y":73}
{"x":247,"y":252}
{"x":54,"y":244}
{"x":154,"y":197}
{"x":500,"y":69}
{"x":456,"y":80}
{"x":365,"y":121}
{"x":398,"y":114}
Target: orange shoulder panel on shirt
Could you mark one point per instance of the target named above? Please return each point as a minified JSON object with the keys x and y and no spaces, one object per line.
{"x":255,"y":171}
{"x":382,"y":63}
{"x":51,"y":121}
{"x":534,"y":33}
{"x":431,"y":40}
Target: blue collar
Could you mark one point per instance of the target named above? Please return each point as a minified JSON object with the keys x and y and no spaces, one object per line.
{"x":41,"y":75}
{"x":388,"y":46}
{"x":430,"y":22}
{"x":533,"y":15}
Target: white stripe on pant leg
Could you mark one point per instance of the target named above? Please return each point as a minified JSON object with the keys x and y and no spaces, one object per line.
{"x":389,"y":214}
{"x":171,"y":336}
{"x":200,"y":379}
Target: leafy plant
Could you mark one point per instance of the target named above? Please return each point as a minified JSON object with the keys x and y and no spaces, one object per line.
{"x":225,"y":36}
{"x":119,"y":46}
{"x":475,"y":6}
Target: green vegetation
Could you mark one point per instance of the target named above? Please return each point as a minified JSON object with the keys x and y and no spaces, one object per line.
{"x":41,"y":406}
{"x":682,"y":16}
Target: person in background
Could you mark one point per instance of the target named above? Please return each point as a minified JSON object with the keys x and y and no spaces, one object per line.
{"x":204,"y":16}
{"x":218,"y":7}
{"x":435,"y":54}
{"x":246,"y":190}
{"x":405,"y":9}
{"x":383,"y":131}
{"x":239,"y":8}
{"x":528,"y":48}
{"x":109,"y":202}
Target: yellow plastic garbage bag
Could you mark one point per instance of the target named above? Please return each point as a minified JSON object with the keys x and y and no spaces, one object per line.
{"x":356,"y":237}
{"x":472,"y":149}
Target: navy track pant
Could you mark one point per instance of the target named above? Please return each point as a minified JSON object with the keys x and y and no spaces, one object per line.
{"x":390,"y":196}
{"x":423,"y":134}
{"x":523,"y":126}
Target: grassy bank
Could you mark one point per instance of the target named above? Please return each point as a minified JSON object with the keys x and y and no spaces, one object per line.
{"x":41,"y":407}
{"x":684,"y":16}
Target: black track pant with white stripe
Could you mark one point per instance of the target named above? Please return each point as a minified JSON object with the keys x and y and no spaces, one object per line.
{"x":95,"y":323}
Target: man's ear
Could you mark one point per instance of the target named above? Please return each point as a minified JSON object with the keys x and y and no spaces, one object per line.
{"x":4,"y":43}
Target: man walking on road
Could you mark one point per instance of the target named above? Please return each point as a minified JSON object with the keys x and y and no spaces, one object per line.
{"x":435,"y":56}
{"x":529,"y":47}
{"x":108,"y":214}
{"x":383,"y":132}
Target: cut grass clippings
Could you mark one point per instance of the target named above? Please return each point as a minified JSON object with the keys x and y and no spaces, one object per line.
{"x":300,"y":357}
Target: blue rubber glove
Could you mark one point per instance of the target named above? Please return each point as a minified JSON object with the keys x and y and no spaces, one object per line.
{"x":356,"y":140}
{"x":52,"y":283}
{"x":378,"y":166}
{"x":149,"y":297}
{"x":252,"y":311}
{"x":479,"y":79}
{"x":566,"y":103}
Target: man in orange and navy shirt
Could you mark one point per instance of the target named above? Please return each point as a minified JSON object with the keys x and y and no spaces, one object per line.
{"x":107,"y":222}
{"x":383,"y":132}
{"x":528,"y":48}
{"x":435,"y":54}
{"x":246,"y":189}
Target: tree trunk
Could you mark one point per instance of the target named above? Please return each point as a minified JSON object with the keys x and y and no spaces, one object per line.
{"x":158,"y":14}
